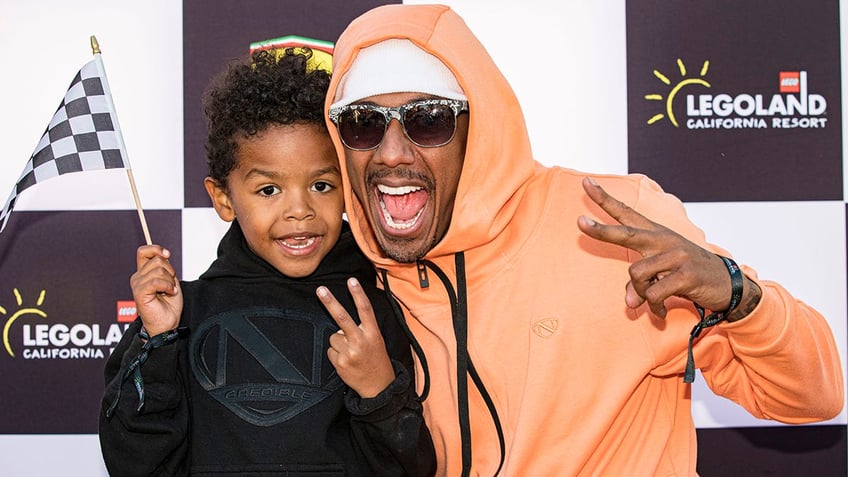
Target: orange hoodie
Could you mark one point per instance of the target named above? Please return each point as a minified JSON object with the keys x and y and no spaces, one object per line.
{"x":578,"y":383}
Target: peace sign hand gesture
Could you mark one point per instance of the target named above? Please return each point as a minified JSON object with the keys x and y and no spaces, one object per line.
{"x":671,"y":265}
{"x":357,"y":351}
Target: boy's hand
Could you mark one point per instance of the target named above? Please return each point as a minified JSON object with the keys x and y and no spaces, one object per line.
{"x":156,"y":290}
{"x":357,"y":351}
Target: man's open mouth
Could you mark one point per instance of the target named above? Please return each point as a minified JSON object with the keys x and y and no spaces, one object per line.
{"x":401,"y":206}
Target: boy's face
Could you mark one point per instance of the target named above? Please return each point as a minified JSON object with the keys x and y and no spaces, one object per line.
{"x":286,"y":192}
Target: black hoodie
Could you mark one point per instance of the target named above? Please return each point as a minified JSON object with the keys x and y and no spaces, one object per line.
{"x":251,"y":391}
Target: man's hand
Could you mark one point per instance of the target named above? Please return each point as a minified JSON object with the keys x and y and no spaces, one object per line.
{"x":357,"y":351}
{"x":671,"y":265}
{"x":156,"y":290}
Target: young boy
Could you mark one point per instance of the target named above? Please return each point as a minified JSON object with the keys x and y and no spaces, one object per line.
{"x":243,"y":372}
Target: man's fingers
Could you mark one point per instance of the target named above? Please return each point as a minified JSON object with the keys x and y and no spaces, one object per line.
{"x":655,"y":291}
{"x":648,"y":281}
{"x":614,"y":207}
{"x":626,"y":236}
{"x":631,"y":297}
{"x":336,"y":310}
{"x":651,"y":292}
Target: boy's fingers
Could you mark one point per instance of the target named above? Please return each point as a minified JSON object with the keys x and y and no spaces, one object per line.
{"x":363,"y":304}
{"x":147,"y":252}
{"x":155,"y":272}
{"x":165,"y":285}
{"x":336,"y":310}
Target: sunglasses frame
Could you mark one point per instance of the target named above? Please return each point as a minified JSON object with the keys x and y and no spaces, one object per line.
{"x":397,"y":112}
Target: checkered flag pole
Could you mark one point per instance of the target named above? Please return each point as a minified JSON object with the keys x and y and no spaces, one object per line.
{"x":83,"y":135}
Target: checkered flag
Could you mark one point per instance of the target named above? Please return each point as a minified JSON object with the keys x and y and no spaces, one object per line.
{"x":82,"y":136}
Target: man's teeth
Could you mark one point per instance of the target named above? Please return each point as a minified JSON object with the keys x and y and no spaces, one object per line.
{"x":399,"y":225}
{"x":300,"y":242}
{"x":401,"y":190}
{"x":384,"y":189}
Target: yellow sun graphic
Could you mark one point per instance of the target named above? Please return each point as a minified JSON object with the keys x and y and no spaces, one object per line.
{"x":669,"y":99}
{"x":21,"y":311}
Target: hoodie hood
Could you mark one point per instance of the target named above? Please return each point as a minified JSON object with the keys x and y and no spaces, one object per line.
{"x":498,"y":160}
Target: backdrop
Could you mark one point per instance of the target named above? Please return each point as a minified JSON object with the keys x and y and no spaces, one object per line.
{"x":733,"y":106}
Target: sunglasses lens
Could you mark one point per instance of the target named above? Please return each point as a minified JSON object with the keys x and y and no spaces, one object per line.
{"x":430,"y":125}
{"x":426,"y":123}
{"x":361,"y":129}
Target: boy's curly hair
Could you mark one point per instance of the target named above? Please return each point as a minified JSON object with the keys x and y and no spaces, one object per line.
{"x":252,"y":94}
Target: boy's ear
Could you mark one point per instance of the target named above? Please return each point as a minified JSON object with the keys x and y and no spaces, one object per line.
{"x":220,"y":199}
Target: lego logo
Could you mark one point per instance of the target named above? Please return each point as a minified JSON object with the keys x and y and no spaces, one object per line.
{"x":126,"y":311}
{"x":790,"y":82}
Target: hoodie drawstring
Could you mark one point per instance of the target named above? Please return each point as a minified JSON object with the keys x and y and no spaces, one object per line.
{"x":464,"y":365}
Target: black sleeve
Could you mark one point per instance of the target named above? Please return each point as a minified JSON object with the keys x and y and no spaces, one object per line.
{"x":152,"y":441}
{"x":390,"y":427}
{"x":390,"y":430}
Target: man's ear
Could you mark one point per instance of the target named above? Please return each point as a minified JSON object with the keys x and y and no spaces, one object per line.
{"x":220,"y":199}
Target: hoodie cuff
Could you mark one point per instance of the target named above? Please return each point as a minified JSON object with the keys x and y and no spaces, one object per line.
{"x":387,"y":403}
{"x":765,"y":327}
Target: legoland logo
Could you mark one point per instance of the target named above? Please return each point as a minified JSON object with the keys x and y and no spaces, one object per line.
{"x":39,"y":340}
{"x":792,"y":107}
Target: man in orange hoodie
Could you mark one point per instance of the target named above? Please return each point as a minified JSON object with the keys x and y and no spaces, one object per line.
{"x":509,"y":275}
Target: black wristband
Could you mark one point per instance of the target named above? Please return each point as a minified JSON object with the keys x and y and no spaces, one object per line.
{"x":736,"y":282}
{"x":714,"y":318}
{"x":133,"y":368}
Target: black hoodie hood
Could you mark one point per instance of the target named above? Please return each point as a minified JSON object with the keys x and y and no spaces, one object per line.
{"x":237,"y":260}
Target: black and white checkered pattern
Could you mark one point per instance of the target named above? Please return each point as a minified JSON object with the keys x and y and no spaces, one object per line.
{"x":82,"y":136}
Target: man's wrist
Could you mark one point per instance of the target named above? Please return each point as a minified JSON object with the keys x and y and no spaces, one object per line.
{"x":750,"y":299}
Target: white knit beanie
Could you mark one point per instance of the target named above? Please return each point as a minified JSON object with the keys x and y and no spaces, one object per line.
{"x":396,"y":66}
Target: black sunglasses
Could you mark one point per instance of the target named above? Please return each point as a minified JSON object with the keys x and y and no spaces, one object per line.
{"x":427,"y":123}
